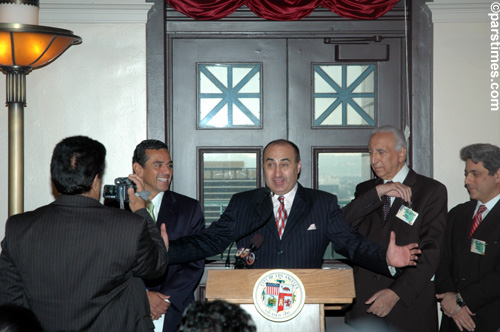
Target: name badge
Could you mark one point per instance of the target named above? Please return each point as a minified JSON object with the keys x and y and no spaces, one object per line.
{"x":478,"y":247}
{"x":407,"y":215}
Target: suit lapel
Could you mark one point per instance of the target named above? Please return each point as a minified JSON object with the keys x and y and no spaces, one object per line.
{"x":264,"y":209}
{"x":410,"y":181}
{"x":300,"y":207}
{"x":489,"y":224}
{"x":167,"y":211}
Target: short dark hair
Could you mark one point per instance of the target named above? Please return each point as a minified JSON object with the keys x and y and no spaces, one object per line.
{"x":76,"y":161}
{"x":283,"y":142}
{"x":14,"y":318}
{"x":215,"y":316}
{"x":140,"y":156}
{"x":488,"y":154}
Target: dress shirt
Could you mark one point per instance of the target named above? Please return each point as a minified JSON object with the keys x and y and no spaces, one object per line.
{"x":157,"y":203}
{"x":289,"y":196}
{"x":489,"y":205}
{"x":400,"y":177}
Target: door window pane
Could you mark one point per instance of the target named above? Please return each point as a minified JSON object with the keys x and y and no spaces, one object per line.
{"x":225,"y":173}
{"x":339,"y":173}
{"x":229,"y":96}
{"x":344,"y":95}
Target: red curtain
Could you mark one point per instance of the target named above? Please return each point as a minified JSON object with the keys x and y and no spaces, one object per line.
{"x":282,"y":10}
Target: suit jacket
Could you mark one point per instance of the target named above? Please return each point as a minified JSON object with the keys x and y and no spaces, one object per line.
{"x":477,"y":277}
{"x":417,"y":309}
{"x":314,"y":220}
{"x":182,"y":216}
{"x":77,"y":265}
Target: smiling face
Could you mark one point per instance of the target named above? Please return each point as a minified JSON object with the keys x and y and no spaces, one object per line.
{"x":385,"y":160}
{"x":480,"y":185}
{"x":281,"y":170}
{"x":157,"y":172}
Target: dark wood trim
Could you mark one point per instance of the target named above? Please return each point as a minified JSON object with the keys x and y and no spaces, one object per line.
{"x":156,"y":72}
{"x":420,"y":54}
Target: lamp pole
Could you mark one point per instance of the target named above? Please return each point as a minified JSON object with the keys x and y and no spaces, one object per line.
{"x":24,"y":46}
{"x":16,"y":101}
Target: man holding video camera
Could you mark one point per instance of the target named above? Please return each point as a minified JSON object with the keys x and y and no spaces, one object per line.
{"x":182,"y":216}
{"x":76,"y":263}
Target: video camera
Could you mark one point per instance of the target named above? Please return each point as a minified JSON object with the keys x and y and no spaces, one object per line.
{"x":118,"y":191}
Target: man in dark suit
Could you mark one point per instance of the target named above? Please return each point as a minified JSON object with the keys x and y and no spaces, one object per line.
{"x":467,"y":280}
{"x":416,"y":208}
{"x":313,"y":219}
{"x":182,"y":216}
{"x":76,"y":263}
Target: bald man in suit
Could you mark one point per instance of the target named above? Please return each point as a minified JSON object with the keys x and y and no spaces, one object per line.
{"x":313,"y":220}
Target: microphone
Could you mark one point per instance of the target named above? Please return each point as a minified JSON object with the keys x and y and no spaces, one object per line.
{"x":246,"y":257}
{"x":253,"y":228}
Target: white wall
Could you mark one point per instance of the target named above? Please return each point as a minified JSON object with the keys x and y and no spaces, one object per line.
{"x":97,"y":88}
{"x":462,"y":114}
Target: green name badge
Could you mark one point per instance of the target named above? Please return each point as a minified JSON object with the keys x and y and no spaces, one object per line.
{"x":478,"y":247}
{"x":407,"y":215}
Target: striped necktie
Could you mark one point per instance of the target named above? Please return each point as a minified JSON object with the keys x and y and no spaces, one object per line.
{"x":281,"y":216}
{"x":477,"y":219}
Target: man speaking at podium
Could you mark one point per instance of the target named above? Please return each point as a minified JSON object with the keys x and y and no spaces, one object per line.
{"x":296,"y":224}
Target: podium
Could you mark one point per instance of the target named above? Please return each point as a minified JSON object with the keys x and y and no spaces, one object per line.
{"x":325,"y":289}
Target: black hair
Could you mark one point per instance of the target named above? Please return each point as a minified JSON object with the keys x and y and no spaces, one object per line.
{"x":140,"y":155}
{"x":284,"y":142}
{"x":14,"y":318}
{"x":215,"y":316}
{"x":76,"y":161}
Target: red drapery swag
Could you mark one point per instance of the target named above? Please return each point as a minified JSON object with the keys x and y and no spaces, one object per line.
{"x":282,"y":10}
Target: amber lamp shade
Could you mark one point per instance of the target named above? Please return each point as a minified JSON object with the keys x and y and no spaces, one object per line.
{"x":33,"y":46}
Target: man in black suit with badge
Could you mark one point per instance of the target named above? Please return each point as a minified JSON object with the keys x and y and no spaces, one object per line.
{"x":414,"y":207}
{"x":467,"y":280}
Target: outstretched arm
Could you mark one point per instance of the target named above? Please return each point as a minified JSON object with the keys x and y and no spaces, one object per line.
{"x":401,"y":256}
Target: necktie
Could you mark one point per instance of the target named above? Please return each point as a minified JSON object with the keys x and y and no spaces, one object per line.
{"x":281,"y":216}
{"x":151,"y":210}
{"x":477,"y":220}
{"x":387,"y":205}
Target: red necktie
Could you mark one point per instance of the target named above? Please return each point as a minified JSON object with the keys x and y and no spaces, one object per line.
{"x":477,"y":220}
{"x":281,"y":216}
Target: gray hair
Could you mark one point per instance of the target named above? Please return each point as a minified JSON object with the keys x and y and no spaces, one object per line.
{"x":488,"y":154}
{"x":398,"y":134}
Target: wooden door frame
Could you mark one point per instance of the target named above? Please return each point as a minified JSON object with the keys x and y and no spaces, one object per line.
{"x":158,"y":58}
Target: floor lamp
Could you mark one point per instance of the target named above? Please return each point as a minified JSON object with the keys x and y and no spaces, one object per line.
{"x":24,"y":47}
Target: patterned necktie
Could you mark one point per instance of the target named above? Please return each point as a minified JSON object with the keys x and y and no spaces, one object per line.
{"x":151,"y":210}
{"x":477,"y":220}
{"x":281,"y":216}
{"x":387,"y":205}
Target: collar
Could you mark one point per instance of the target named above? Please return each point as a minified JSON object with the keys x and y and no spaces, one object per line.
{"x":157,"y":203}
{"x":289,"y":197}
{"x":401,"y":176}
{"x":489,"y":205}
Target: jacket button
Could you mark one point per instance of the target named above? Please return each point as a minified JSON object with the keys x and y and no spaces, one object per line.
{"x":280,"y":252}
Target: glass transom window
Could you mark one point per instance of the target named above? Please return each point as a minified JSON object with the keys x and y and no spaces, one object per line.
{"x":229,"y":96}
{"x":344,"y":95}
